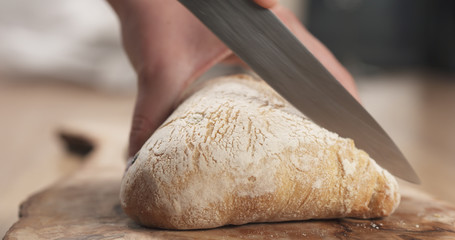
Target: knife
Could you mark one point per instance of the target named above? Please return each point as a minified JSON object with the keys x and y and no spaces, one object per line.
{"x":259,"y":38}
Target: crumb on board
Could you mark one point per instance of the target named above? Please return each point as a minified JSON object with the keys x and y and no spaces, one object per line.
{"x":374,"y":225}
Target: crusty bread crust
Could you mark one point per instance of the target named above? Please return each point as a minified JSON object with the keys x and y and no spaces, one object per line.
{"x":235,"y":152}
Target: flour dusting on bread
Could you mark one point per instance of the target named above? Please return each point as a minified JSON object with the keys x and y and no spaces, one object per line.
{"x":236,"y":152}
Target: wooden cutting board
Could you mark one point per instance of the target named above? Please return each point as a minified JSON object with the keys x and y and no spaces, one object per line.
{"x":86,"y":205}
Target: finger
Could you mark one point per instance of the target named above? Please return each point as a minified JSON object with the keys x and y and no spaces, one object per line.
{"x":266,"y":3}
{"x":159,"y":93}
{"x":155,"y":100}
{"x":160,"y":89}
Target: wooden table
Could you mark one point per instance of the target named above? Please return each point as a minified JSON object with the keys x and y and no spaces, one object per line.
{"x":86,"y":205}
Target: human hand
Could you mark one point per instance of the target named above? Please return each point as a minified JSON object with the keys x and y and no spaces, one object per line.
{"x":169,"y":48}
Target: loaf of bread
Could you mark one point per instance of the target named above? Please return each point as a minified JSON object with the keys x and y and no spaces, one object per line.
{"x":236,"y":152}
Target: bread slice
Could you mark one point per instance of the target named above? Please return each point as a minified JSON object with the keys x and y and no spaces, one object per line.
{"x":236,"y":152}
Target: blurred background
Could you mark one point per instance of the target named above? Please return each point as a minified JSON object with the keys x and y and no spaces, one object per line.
{"x":61,"y":63}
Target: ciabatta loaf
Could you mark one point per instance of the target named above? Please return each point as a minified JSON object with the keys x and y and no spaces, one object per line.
{"x":235,"y":152}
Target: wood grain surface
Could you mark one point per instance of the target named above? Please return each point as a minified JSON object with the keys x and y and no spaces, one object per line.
{"x":86,"y":206}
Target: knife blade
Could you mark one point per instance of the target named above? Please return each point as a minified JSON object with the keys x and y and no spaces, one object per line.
{"x":259,"y":38}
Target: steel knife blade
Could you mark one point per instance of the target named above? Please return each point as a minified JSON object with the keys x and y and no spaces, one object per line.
{"x":259,"y":38}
